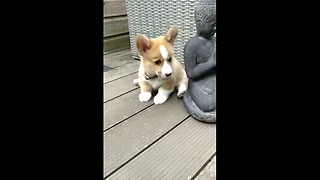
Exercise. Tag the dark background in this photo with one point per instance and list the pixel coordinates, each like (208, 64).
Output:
(52, 92)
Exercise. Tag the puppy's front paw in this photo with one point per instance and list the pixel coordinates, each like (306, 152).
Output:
(180, 94)
(181, 90)
(144, 96)
(136, 81)
(160, 98)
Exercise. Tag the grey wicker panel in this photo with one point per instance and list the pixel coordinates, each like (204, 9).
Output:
(154, 18)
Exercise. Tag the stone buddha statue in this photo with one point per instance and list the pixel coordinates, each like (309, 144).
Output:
(200, 64)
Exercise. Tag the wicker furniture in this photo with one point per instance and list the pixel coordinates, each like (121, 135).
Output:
(153, 18)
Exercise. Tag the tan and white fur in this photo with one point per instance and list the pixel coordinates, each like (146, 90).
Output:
(159, 69)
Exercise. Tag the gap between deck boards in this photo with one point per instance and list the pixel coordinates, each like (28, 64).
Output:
(119, 87)
(120, 94)
(137, 132)
(125, 105)
(120, 72)
(120, 77)
(116, 54)
(122, 107)
(123, 65)
(201, 170)
(148, 146)
(174, 162)
(112, 126)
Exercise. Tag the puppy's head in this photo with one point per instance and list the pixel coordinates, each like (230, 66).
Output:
(157, 54)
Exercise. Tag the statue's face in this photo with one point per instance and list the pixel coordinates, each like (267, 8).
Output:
(206, 29)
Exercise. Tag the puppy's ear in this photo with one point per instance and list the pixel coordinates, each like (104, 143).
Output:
(143, 43)
(171, 35)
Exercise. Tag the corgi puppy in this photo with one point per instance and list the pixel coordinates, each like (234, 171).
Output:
(159, 70)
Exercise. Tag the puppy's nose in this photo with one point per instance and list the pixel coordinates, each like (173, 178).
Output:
(168, 74)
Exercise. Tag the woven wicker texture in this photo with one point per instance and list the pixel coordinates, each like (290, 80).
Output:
(153, 18)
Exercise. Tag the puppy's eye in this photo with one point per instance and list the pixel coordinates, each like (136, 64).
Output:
(169, 59)
(158, 62)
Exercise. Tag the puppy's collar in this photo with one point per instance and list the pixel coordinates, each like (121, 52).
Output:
(148, 77)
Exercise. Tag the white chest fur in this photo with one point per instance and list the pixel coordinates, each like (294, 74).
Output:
(156, 83)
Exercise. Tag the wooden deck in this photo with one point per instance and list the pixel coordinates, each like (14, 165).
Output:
(148, 141)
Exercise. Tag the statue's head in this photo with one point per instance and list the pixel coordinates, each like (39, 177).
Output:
(205, 17)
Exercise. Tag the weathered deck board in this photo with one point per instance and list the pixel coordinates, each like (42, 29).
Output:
(116, 54)
(209, 172)
(123, 65)
(122, 71)
(123, 107)
(148, 141)
(125, 140)
(178, 155)
(116, 43)
(114, 8)
(118, 87)
(115, 25)
(119, 61)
